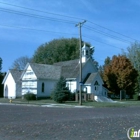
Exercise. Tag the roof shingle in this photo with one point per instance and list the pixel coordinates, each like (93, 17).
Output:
(90, 78)
(16, 74)
(44, 71)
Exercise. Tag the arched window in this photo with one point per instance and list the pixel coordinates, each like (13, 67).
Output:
(43, 87)
(6, 92)
(96, 85)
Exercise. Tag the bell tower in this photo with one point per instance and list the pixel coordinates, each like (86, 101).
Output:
(85, 53)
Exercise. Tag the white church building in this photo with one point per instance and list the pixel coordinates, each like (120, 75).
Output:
(40, 79)
(12, 84)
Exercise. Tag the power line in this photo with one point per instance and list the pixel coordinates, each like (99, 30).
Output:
(106, 34)
(59, 20)
(112, 30)
(32, 29)
(68, 16)
(36, 16)
(102, 42)
(41, 30)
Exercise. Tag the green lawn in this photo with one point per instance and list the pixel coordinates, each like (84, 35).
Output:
(23, 101)
(123, 103)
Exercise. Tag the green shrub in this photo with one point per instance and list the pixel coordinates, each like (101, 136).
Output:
(61, 96)
(30, 96)
(72, 97)
(60, 93)
(135, 97)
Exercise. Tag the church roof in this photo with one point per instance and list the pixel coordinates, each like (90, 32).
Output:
(69, 69)
(16, 74)
(44, 71)
(90, 78)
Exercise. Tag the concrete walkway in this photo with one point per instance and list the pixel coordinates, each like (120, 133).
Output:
(49, 105)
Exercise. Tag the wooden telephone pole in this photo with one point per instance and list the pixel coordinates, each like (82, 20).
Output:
(80, 58)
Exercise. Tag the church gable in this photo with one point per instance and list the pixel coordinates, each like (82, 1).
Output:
(88, 67)
(29, 74)
(11, 82)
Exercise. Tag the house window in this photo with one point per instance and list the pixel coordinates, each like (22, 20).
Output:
(43, 87)
(86, 52)
(83, 53)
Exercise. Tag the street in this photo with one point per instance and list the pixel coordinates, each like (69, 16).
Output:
(43, 123)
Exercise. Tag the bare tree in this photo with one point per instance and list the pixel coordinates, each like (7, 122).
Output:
(20, 63)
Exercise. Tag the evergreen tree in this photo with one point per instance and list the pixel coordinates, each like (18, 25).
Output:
(60, 93)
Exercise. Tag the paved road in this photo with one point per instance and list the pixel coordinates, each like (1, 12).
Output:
(43, 123)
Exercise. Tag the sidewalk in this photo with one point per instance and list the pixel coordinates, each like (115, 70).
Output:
(66, 106)
(49, 105)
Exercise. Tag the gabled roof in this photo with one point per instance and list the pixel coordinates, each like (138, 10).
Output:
(16, 74)
(90, 78)
(70, 69)
(67, 69)
(44, 71)
(67, 63)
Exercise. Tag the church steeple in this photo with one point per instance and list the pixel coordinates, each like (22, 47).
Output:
(85, 53)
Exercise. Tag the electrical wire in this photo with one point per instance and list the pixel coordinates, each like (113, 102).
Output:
(33, 29)
(67, 17)
(111, 30)
(106, 34)
(56, 14)
(41, 30)
(62, 20)
(102, 42)
(59, 20)
(36, 16)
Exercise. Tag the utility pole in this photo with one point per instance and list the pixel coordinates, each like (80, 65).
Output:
(80, 59)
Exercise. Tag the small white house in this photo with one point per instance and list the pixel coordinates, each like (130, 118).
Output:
(12, 84)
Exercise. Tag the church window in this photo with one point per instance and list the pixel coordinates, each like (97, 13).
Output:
(96, 84)
(83, 53)
(86, 52)
(43, 87)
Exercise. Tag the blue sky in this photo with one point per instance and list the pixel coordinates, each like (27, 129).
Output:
(112, 25)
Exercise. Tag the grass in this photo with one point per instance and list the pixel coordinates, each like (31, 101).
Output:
(123, 103)
(23, 101)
